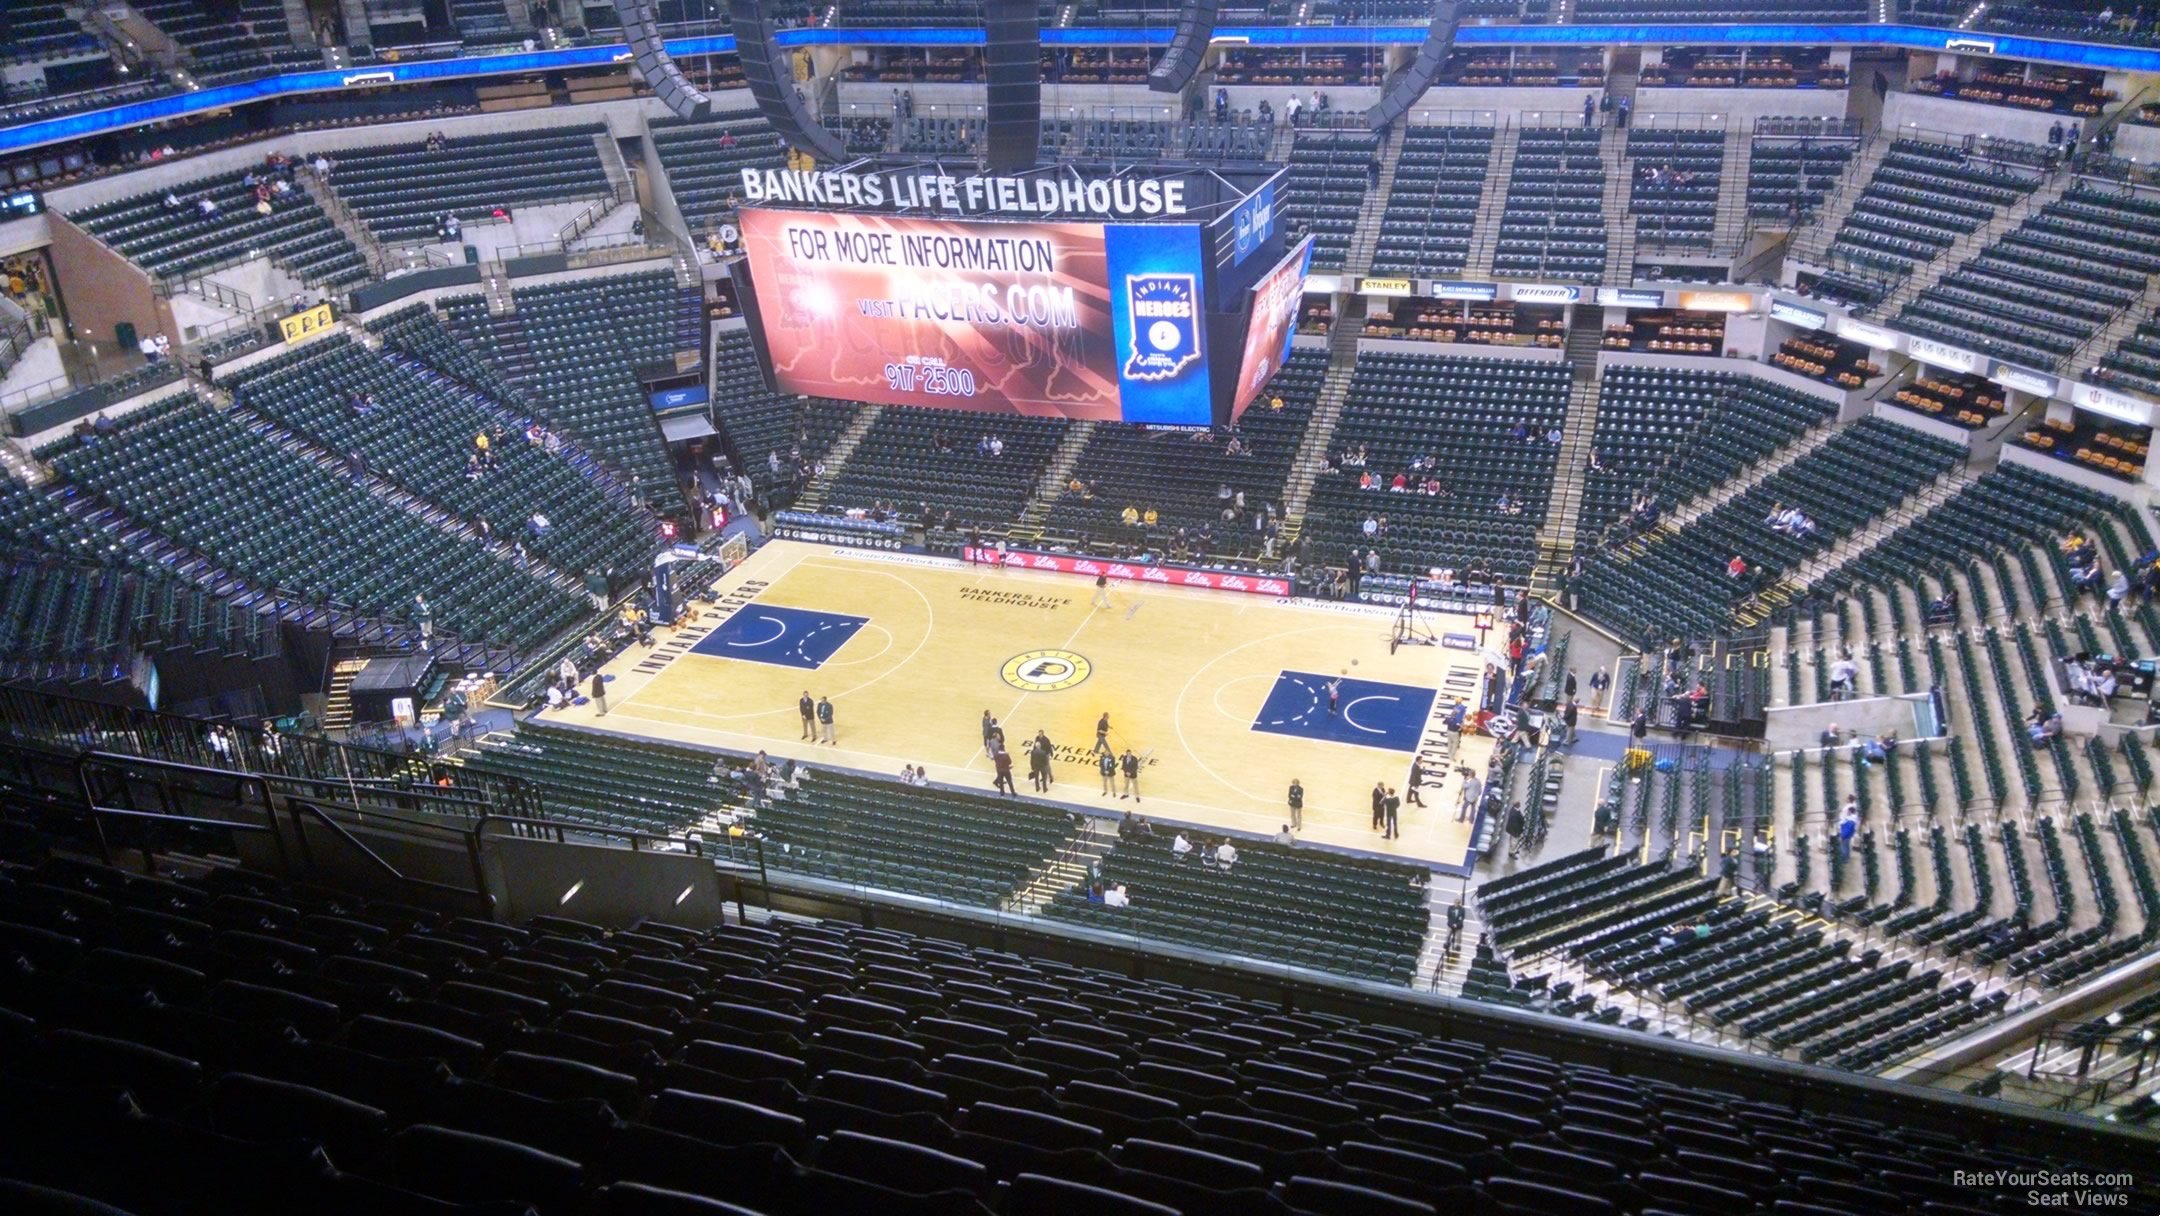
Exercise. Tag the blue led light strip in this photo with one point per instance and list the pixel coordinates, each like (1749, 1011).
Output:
(24, 136)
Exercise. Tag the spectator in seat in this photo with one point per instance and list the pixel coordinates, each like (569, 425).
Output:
(1844, 676)
(1848, 825)
(1225, 855)
(1831, 737)
(1180, 847)
(1736, 568)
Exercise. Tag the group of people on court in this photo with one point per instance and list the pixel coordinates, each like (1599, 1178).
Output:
(1040, 751)
(817, 718)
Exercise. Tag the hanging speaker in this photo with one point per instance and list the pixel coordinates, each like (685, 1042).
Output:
(1411, 83)
(1012, 70)
(641, 24)
(1181, 62)
(772, 82)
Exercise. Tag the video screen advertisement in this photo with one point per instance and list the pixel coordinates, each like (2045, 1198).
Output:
(1104, 322)
(1276, 299)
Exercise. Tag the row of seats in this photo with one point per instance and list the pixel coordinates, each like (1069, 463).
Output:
(574, 348)
(1553, 226)
(1669, 211)
(207, 479)
(63, 623)
(1465, 414)
(401, 191)
(1678, 433)
(1324, 188)
(1922, 197)
(968, 848)
(1788, 177)
(173, 242)
(704, 163)
(1676, 580)
(1311, 908)
(2038, 293)
(280, 1045)
(1181, 480)
(764, 428)
(420, 432)
(1433, 202)
(899, 461)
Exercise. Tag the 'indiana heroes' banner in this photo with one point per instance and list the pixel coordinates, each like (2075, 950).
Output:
(1082, 321)
(1067, 195)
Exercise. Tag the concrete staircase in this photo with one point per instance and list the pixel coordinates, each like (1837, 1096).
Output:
(1054, 480)
(1751, 476)
(1619, 175)
(1811, 244)
(1327, 413)
(1556, 538)
(337, 714)
(611, 163)
(1730, 232)
(1439, 969)
(1365, 238)
(1064, 871)
(495, 286)
(836, 457)
(300, 25)
(2111, 335)
(1973, 244)
(19, 464)
(1878, 530)
(1492, 204)
(342, 216)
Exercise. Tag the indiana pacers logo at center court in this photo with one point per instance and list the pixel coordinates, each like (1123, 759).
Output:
(1046, 670)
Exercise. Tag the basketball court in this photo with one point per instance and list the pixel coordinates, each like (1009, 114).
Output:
(1223, 694)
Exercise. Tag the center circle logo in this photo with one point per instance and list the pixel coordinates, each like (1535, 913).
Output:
(1045, 670)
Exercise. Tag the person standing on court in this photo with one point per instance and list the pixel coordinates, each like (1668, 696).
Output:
(989, 731)
(824, 717)
(1297, 805)
(1599, 682)
(1454, 925)
(599, 692)
(1568, 714)
(808, 709)
(1102, 734)
(1131, 765)
(1334, 696)
(1107, 764)
(1004, 783)
(1102, 591)
(1379, 805)
(1417, 778)
(1039, 753)
(1391, 805)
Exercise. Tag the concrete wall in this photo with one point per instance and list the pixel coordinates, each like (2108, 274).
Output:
(2141, 144)
(1740, 107)
(2071, 471)
(1471, 350)
(102, 289)
(624, 118)
(1931, 113)
(21, 236)
(1933, 427)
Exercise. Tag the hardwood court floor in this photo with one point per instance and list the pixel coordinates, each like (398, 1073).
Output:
(1221, 692)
